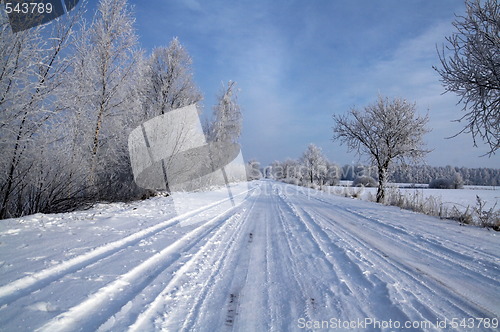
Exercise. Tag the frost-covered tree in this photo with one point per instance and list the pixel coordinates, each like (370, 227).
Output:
(111, 41)
(470, 67)
(104, 73)
(292, 171)
(457, 180)
(315, 165)
(387, 131)
(168, 80)
(461, 176)
(277, 170)
(31, 70)
(19, 55)
(226, 126)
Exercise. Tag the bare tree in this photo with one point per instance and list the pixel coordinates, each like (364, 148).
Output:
(387, 131)
(168, 80)
(227, 123)
(471, 69)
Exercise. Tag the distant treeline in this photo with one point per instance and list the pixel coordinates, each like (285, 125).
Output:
(319, 171)
(314, 169)
(425, 174)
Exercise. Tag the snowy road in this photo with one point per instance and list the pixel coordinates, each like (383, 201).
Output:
(284, 259)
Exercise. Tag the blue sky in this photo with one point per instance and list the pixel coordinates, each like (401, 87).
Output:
(297, 62)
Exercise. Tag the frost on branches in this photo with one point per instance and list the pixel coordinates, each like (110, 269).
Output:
(470, 67)
(226, 126)
(387, 131)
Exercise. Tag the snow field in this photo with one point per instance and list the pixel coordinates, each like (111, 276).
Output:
(461, 198)
(283, 257)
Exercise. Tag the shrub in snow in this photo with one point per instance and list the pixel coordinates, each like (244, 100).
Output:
(441, 184)
(364, 181)
(332, 181)
(292, 181)
(310, 185)
(433, 206)
(455, 182)
(487, 217)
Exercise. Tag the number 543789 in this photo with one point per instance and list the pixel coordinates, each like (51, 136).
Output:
(28, 8)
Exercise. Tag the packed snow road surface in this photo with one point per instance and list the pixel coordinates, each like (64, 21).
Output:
(284, 259)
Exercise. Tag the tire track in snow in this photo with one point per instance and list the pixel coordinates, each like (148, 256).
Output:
(478, 272)
(457, 305)
(26, 285)
(414, 289)
(440, 249)
(235, 290)
(290, 265)
(275, 306)
(320, 288)
(108, 300)
(209, 287)
(227, 235)
(374, 271)
(272, 308)
(471, 309)
(487, 258)
(246, 269)
(244, 301)
(350, 279)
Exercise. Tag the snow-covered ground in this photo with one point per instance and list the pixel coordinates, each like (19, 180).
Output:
(286, 258)
(461, 198)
